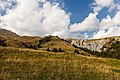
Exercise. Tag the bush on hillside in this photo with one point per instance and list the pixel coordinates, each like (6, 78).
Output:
(76, 51)
(54, 50)
(60, 50)
(45, 39)
(3, 42)
(48, 49)
(57, 50)
(30, 45)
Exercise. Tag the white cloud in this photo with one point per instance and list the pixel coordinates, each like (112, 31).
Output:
(108, 26)
(104, 3)
(106, 23)
(48, 19)
(41, 1)
(30, 19)
(41, 18)
(79, 36)
(118, 6)
(6, 4)
(112, 25)
(100, 4)
(90, 23)
(116, 18)
(97, 8)
(113, 31)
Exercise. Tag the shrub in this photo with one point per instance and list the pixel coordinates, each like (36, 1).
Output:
(60, 50)
(54, 50)
(3, 43)
(29, 45)
(76, 51)
(45, 39)
(48, 49)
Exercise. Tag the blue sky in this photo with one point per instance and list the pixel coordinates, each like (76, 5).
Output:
(81, 19)
(79, 9)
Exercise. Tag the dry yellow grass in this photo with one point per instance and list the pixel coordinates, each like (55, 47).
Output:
(27, 64)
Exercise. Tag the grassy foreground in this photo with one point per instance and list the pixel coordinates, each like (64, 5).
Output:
(26, 64)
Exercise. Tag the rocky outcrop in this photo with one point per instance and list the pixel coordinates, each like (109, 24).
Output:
(95, 44)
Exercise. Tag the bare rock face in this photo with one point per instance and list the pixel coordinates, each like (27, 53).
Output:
(96, 44)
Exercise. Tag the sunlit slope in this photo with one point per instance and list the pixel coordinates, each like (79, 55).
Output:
(27, 64)
(37, 43)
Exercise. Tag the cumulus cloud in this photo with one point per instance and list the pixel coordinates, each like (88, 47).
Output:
(109, 27)
(79, 36)
(113, 31)
(31, 19)
(104, 3)
(116, 19)
(47, 17)
(4, 4)
(106, 23)
(98, 5)
(105, 27)
(90, 23)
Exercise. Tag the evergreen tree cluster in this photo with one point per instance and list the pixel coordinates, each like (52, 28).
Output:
(30, 45)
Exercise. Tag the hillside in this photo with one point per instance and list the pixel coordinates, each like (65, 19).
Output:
(105, 47)
(4, 32)
(98, 47)
(37, 43)
(26, 64)
(96, 44)
(53, 58)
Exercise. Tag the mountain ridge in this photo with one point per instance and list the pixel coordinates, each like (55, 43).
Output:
(15, 40)
(34, 42)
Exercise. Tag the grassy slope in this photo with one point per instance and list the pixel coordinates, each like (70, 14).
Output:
(56, 42)
(26, 64)
(44, 43)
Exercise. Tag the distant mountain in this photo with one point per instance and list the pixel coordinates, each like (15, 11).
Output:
(4, 32)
